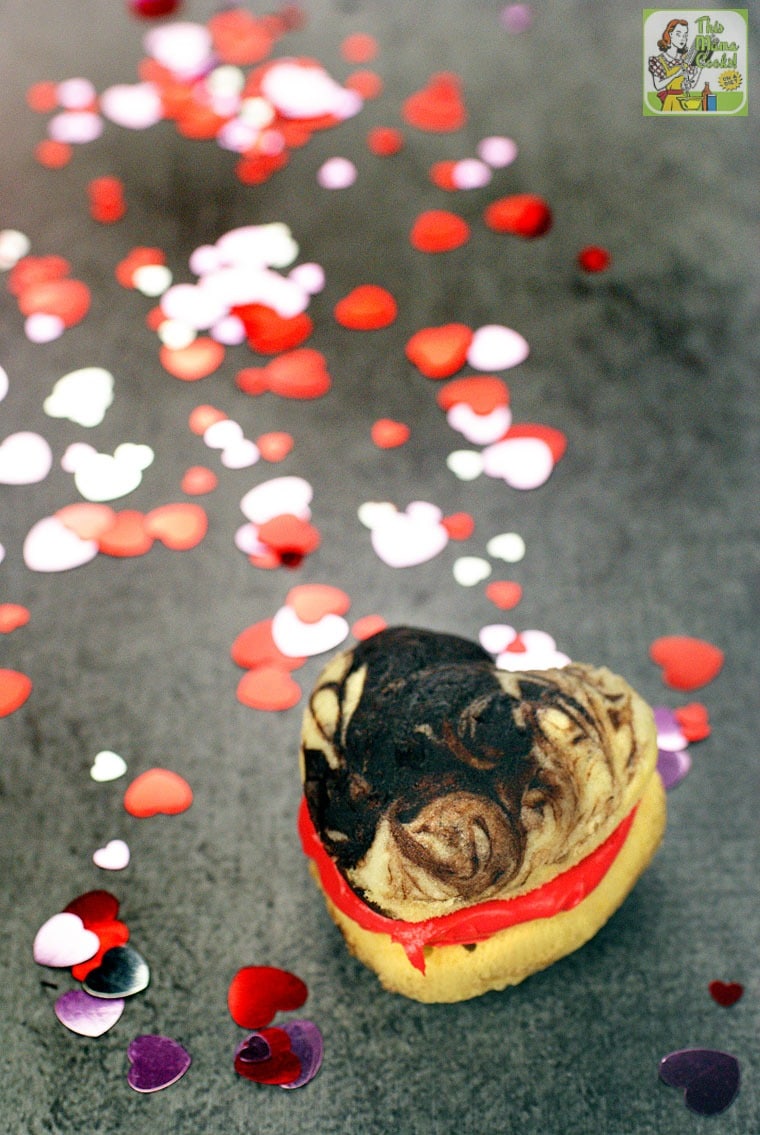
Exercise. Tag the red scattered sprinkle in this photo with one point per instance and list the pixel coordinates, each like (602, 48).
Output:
(442, 175)
(504, 593)
(257, 993)
(693, 721)
(275, 446)
(367, 308)
(384, 141)
(281, 1066)
(127, 536)
(594, 259)
(13, 616)
(255, 647)
(255, 169)
(36, 270)
(268, 688)
(368, 626)
(178, 526)
(312, 601)
(106, 196)
(523, 214)
(43, 96)
(387, 434)
(152, 9)
(687, 663)
(154, 318)
(53, 154)
(359, 48)
(438, 107)
(159, 791)
(367, 84)
(439, 352)
(200, 359)
(460, 525)
(66, 298)
(726, 993)
(482, 393)
(138, 258)
(437, 230)
(300, 374)
(239, 38)
(95, 908)
(270, 333)
(198, 480)
(15, 688)
(204, 416)
(87, 519)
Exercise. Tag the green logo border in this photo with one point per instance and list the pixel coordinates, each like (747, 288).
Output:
(648, 109)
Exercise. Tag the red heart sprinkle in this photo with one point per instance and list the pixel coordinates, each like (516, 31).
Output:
(275, 446)
(36, 270)
(438, 230)
(138, 258)
(158, 791)
(504, 593)
(439, 352)
(95, 908)
(523, 214)
(239, 38)
(359, 48)
(109, 934)
(289, 535)
(87, 519)
(178, 526)
(693, 721)
(726, 993)
(269, 688)
(687, 663)
(68, 299)
(199, 360)
(442, 175)
(460, 525)
(198, 480)
(594, 259)
(257, 993)
(42, 97)
(52, 154)
(268, 332)
(387, 434)
(13, 616)
(367, 308)
(15, 688)
(384, 141)
(297, 374)
(438, 107)
(204, 416)
(127, 536)
(367, 626)
(367, 84)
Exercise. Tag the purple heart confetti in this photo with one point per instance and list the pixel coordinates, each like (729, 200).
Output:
(673, 767)
(86, 1015)
(710, 1078)
(306, 1042)
(156, 1062)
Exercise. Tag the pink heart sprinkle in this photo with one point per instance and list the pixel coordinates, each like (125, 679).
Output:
(63, 941)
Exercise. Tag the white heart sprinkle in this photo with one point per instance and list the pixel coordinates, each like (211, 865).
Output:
(470, 570)
(25, 459)
(494, 347)
(496, 637)
(480, 429)
(298, 639)
(507, 546)
(63, 941)
(81, 396)
(466, 464)
(113, 857)
(523, 462)
(51, 546)
(107, 766)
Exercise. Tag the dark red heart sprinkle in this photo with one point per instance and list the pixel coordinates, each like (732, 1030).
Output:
(726, 993)
(280, 1066)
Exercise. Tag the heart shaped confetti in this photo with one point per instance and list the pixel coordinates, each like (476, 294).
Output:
(122, 973)
(25, 459)
(726, 993)
(267, 1057)
(308, 1046)
(114, 856)
(198, 479)
(198, 360)
(64, 941)
(127, 536)
(257, 993)
(687, 663)
(95, 908)
(466, 464)
(86, 1015)
(494, 347)
(593, 259)
(438, 107)
(12, 617)
(81, 396)
(268, 687)
(255, 646)
(710, 1078)
(438, 230)
(406, 539)
(178, 526)
(367, 308)
(15, 688)
(523, 462)
(439, 352)
(367, 626)
(107, 766)
(471, 570)
(504, 593)
(312, 601)
(156, 1062)
(693, 721)
(297, 639)
(673, 765)
(109, 934)
(87, 520)
(507, 546)
(524, 214)
(158, 791)
(300, 374)
(387, 434)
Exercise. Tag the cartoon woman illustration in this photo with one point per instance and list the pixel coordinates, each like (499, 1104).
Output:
(672, 71)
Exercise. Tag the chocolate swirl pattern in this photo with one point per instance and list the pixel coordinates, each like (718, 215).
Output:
(436, 781)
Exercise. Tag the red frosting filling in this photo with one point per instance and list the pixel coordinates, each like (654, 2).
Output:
(475, 923)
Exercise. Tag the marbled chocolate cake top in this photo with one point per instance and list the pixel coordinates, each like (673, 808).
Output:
(436, 781)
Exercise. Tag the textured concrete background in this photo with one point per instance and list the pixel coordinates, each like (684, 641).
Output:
(647, 527)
